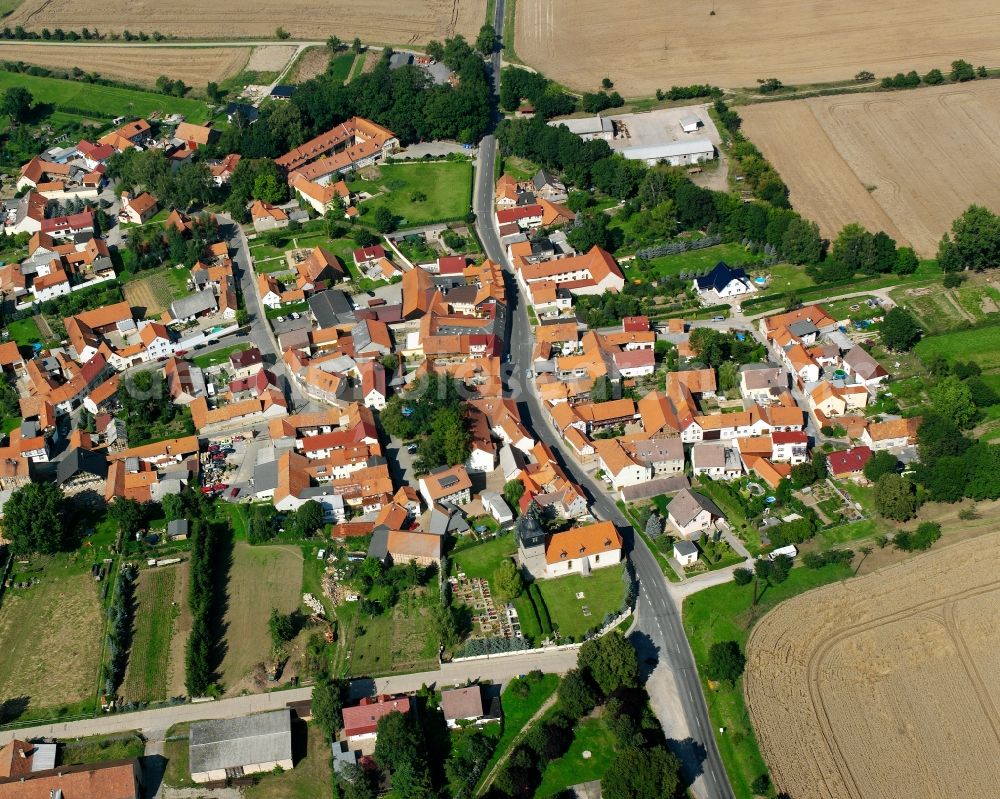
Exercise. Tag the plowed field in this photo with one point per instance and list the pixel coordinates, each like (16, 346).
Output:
(196, 66)
(884, 687)
(644, 45)
(904, 162)
(388, 21)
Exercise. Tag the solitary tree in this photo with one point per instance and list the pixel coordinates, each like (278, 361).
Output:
(507, 580)
(34, 520)
(611, 661)
(725, 662)
(16, 103)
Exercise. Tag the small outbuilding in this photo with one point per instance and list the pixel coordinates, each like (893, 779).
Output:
(690, 123)
(221, 749)
(685, 552)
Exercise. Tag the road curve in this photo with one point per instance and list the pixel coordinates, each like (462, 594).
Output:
(658, 616)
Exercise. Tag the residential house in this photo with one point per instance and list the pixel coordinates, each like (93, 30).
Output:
(762, 382)
(831, 400)
(373, 384)
(266, 216)
(468, 706)
(547, 186)
(401, 546)
(447, 485)
(189, 308)
(891, 434)
(137, 210)
(849, 463)
(864, 368)
(353, 144)
(245, 363)
(112, 779)
(580, 550)
(361, 720)
(664, 456)
(716, 460)
(723, 283)
(619, 467)
(790, 447)
(692, 513)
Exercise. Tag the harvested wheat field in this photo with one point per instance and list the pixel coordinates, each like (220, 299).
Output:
(644, 45)
(907, 162)
(883, 687)
(377, 21)
(196, 66)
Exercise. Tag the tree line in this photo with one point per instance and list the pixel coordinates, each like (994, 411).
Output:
(207, 568)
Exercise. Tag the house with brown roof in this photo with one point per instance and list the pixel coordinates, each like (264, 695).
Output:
(891, 434)
(352, 145)
(717, 460)
(468, 706)
(849, 463)
(402, 546)
(580, 550)
(447, 485)
(113, 779)
(618, 466)
(137, 210)
(266, 216)
(860, 365)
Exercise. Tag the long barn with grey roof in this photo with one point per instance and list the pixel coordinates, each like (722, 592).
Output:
(230, 748)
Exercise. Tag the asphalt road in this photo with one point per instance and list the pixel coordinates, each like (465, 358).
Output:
(658, 626)
(153, 723)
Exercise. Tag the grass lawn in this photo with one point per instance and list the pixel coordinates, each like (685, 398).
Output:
(261, 578)
(704, 260)
(123, 746)
(66, 598)
(286, 310)
(783, 277)
(519, 168)
(309, 779)
(517, 710)
(218, 356)
(845, 533)
(603, 592)
(981, 345)
(10, 424)
(102, 101)
(340, 67)
(821, 292)
(723, 613)
(482, 559)
(400, 640)
(149, 660)
(25, 331)
(260, 248)
(446, 185)
(175, 750)
(591, 735)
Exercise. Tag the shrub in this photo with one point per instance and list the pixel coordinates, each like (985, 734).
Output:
(921, 539)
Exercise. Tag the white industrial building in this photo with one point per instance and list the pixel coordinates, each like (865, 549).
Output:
(679, 153)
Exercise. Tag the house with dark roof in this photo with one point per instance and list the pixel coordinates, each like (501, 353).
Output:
(331, 308)
(692, 513)
(722, 283)
(82, 470)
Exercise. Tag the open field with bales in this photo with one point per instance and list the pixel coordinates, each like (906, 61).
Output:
(196, 66)
(379, 21)
(889, 161)
(644, 46)
(880, 687)
(61, 614)
(260, 578)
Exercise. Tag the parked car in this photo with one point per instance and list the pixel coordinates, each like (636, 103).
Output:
(295, 314)
(412, 448)
(280, 319)
(181, 352)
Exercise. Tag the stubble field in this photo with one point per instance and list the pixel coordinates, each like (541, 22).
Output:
(643, 45)
(904, 162)
(880, 688)
(377, 21)
(196, 66)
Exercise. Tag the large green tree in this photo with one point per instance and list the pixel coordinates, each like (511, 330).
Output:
(35, 520)
(327, 704)
(974, 241)
(16, 103)
(899, 329)
(896, 497)
(952, 399)
(642, 773)
(725, 662)
(611, 661)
